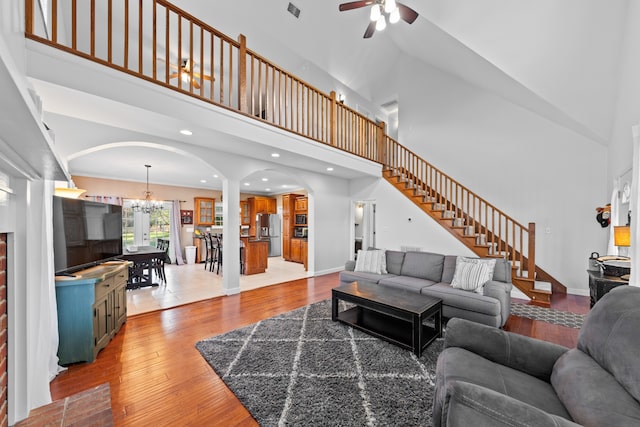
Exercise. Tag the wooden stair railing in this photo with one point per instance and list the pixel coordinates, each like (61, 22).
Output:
(155, 41)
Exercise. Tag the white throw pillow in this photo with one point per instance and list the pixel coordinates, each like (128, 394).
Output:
(472, 273)
(371, 261)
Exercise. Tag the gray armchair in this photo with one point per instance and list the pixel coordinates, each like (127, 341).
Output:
(489, 377)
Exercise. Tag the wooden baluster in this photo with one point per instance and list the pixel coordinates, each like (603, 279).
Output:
(125, 50)
(221, 72)
(191, 62)
(531, 252)
(167, 58)
(93, 28)
(140, 36)
(333, 121)
(154, 54)
(212, 42)
(230, 91)
(54, 21)
(74, 24)
(201, 68)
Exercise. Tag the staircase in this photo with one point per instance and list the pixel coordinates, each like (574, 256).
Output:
(477, 224)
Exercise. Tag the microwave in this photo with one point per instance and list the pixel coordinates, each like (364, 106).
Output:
(301, 219)
(300, 232)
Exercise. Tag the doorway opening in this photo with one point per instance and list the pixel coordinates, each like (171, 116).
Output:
(364, 226)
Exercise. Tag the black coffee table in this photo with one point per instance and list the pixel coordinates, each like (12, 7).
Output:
(394, 315)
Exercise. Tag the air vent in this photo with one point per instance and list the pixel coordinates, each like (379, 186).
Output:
(293, 10)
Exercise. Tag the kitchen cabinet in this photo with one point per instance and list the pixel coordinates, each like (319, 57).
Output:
(255, 255)
(204, 210)
(244, 212)
(301, 205)
(259, 205)
(92, 307)
(299, 251)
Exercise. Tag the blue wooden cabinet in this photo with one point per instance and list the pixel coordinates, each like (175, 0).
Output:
(92, 307)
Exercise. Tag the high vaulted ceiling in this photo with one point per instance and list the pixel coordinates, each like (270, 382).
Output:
(559, 59)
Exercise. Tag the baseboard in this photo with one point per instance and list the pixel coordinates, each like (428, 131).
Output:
(518, 294)
(578, 291)
(328, 271)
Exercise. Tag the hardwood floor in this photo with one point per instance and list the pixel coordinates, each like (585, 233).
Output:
(157, 377)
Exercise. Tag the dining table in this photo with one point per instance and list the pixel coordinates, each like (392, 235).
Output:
(141, 269)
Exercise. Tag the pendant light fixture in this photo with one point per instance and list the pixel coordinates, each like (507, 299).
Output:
(147, 205)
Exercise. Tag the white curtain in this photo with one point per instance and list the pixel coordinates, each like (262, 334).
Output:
(634, 207)
(42, 339)
(612, 249)
(174, 232)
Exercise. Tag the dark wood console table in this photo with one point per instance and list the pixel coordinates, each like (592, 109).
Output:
(599, 285)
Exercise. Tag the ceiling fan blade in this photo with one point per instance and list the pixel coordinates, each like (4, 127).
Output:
(173, 75)
(407, 14)
(354, 5)
(371, 28)
(195, 84)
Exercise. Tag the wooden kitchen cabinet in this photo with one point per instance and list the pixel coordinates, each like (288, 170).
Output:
(204, 210)
(301, 204)
(244, 212)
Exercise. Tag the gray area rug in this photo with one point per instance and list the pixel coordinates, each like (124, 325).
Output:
(549, 315)
(301, 368)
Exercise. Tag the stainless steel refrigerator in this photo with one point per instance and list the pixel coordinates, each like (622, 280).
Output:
(269, 226)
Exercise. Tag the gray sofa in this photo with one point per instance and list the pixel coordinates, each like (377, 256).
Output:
(431, 274)
(489, 377)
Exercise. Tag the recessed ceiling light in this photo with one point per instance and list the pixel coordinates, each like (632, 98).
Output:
(265, 179)
(215, 175)
(267, 189)
(329, 169)
(285, 186)
(186, 132)
(275, 155)
(247, 183)
(204, 181)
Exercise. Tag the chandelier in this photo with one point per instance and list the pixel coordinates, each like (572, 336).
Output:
(147, 205)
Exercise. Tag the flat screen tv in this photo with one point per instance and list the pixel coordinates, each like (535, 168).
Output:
(85, 234)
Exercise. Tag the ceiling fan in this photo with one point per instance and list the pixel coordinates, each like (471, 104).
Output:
(184, 72)
(381, 10)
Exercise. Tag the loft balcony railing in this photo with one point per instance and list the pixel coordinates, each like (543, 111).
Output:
(156, 41)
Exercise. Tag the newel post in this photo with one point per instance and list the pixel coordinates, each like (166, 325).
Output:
(531, 253)
(333, 119)
(242, 74)
(381, 154)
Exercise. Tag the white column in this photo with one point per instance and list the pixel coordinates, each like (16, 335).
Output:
(231, 236)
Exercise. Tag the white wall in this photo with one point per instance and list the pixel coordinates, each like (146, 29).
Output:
(393, 228)
(628, 102)
(534, 170)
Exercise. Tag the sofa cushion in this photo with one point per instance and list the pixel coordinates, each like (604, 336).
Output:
(394, 262)
(406, 282)
(424, 265)
(502, 271)
(472, 273)
(358, 276)
(606, 332)
(592, 396)
(448, 268)
(471, 301)
(371, 261)
(458, 364)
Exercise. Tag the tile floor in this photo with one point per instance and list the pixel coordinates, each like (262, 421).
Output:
(191, 282)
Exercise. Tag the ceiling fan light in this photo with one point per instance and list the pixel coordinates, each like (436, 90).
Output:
(381, 24)
(394, 16)
(390, 6)
(375, 12)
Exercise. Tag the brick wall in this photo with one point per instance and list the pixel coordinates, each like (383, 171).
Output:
(4, 380)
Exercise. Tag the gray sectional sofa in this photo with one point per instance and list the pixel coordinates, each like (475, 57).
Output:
(431, 274)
